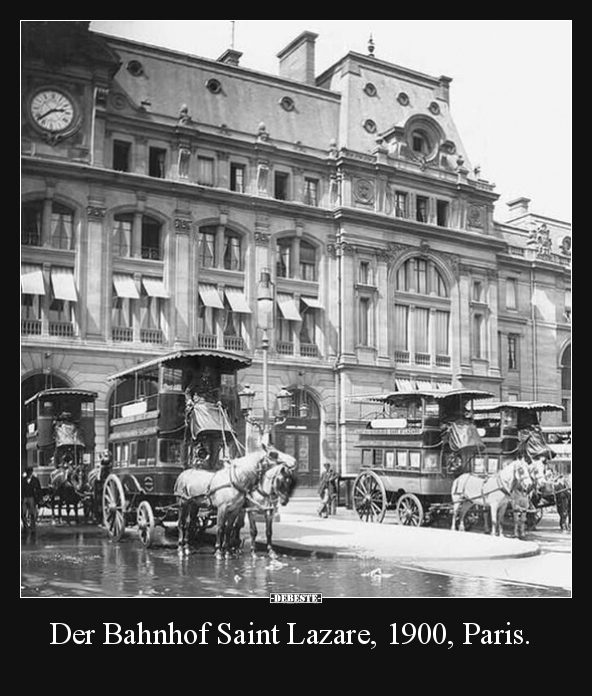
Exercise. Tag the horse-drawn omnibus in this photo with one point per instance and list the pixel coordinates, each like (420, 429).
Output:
(412, 452)
(168, 414)
(60, 428)
(559, 441)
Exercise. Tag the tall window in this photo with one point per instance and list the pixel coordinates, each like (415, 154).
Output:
(421, 276)
(207, 247)
(364, 321)
(307, 326)
(364, 273)
(477, 336)
(401, 204)
(281, 182)
(122, 234)
(422, 330)
(150, 238)
(283, 254)
(307, 261)
(31, 223)
(205, 171)
(157, 162)
(477, 291)
(566, 369)
(442, 208)
(311, 191)
(60, 228)
(512, 352)
(121, 155)
(442, 333)
(421, 211)
(511, 294)
(232, 252)
(401, 328)
(237, 177)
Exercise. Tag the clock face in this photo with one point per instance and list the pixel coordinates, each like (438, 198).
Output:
(52, 110)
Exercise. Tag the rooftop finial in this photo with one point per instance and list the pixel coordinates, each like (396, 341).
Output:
(232, 21)
(371, 47)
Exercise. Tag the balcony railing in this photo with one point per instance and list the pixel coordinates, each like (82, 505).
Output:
(64, 329)
(31, 327)
(151, 253)
(234, 343)
(31, 238)
(285, 348)
(309, 350)
(402, 356)
(122, 333)
(422, 358)
(207, 341)
(442, 361)
(151, 336)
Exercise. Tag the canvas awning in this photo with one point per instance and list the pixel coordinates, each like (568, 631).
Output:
(423, 384)
(312, 302)
(237, 301)
(32, 280)
(62, 282)
(154, 287)
(405, 385)
(288, 308)
(125, 286)
(210, 296)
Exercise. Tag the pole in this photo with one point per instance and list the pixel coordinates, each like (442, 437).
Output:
(265, 348)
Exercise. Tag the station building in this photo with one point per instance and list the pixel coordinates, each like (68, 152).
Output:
(160, 188)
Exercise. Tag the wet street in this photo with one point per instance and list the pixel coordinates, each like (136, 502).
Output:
(83, 562)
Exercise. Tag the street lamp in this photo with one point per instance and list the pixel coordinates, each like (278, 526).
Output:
(246, 396)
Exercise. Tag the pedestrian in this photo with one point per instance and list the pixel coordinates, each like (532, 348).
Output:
(30, 499)
(327, 492)
(520, 507)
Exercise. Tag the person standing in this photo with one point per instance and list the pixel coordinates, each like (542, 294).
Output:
(30, 499)
(327, 492)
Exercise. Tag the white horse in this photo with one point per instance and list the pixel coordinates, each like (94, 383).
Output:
(493, 492)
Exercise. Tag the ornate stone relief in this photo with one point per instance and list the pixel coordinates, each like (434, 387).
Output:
(95, 212)
(364, 191)
(475, 216)
(182, 224)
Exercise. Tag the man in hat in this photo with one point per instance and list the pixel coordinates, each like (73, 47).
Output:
(30, 498)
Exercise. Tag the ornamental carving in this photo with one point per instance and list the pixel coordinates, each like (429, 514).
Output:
(262, 238)
(96, 212)
(364, 191)
(566, 246)
(540, 238)
(182, 224)
(475, 216)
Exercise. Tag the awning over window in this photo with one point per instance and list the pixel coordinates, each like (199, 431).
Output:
(405, 385)
(237, 300)
(154, 287)
(312, 302)
(443, 386)
(62, 282)
(125, 286)
(288, 308)
(210, 296)
(423, 385)
(32, 280)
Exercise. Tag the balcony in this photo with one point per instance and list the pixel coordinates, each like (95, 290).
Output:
(63, 329)
(402, 356)
(309, 350)
(423, 359)
(122, 334)
(234, 343)
(284, 348)
(443, 361)
(151, 336)
(151, 253)
(207, 341)
(31, 327)
(31, 238)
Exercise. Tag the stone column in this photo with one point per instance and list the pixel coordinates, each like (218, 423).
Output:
(182, 291)
(92, 255)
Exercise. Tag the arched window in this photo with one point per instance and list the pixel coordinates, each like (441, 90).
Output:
(421, 276)
(220, 247)
(296, 258)
(59, 227)
(566, 369)
(147, 236)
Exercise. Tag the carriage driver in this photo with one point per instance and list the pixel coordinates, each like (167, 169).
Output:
(106, 464)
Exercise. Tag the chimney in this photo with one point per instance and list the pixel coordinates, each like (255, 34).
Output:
(297, 60)
(518, 207)
(230, 56)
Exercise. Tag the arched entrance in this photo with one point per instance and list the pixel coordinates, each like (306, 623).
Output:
(300, 437)
(29, 387)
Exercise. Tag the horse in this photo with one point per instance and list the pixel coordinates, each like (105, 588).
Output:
(556, 491)
(224, 490)
(276, 488)
(65, 484)
(493, 492)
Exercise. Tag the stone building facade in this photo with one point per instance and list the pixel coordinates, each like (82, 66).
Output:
(157, 187)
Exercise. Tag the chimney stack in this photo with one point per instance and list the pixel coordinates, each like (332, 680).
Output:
(230, 57)
(297, 59)
(518, 207)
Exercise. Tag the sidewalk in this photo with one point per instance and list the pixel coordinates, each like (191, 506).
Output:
(300, 530)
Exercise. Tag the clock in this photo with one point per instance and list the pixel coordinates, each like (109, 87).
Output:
(53, 111)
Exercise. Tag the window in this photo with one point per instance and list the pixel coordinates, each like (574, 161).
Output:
(512, 352)
(31, 223)
(237, 178)
(511, 294)
(442, 333)
(205, 320)
(307, 326)
(205, 171)
(400, 204)
(122, 235)
(307, 261)
(281, 181)
(442, 213)
(566, 415)
(401, 328)
(364, 276)
(121, 313)
(419, 143)
(61, 225)
(150, 319)
(364, 321)
(566, 370)
(157, 162)
(311, 192)
(232, 252)
(567, 301)
(421, 212)
(121, 155)
(477, 337)
(283, 252)
(421, 276)
(477, 291)
(207, 247)
(422, 330)
(150, 239)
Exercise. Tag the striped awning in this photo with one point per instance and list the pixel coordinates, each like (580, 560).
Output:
(32, 280)
(125, 286)
(154, 287)
(423, 384)
(405, 385)
(62, 283)
(312, 302)
(237, 300)
(288, 308)
(210, 296)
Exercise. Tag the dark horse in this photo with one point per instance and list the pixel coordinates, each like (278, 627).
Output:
(556, 491)
(276, 488)
(65, 490)
(224, 490)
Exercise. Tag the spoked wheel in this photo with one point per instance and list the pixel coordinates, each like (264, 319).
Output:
(410, 510)
(369, 497)
(114, 507)
(146, 526)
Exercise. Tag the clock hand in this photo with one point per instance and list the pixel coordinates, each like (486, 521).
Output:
(51, 111)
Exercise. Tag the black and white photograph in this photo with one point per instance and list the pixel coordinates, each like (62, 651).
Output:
(296, 317)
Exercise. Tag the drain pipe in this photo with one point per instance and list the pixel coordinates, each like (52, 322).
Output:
(535, 381)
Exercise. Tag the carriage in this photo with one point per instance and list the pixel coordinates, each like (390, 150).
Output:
(168, 414)
(60, 428)
(411, 454)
